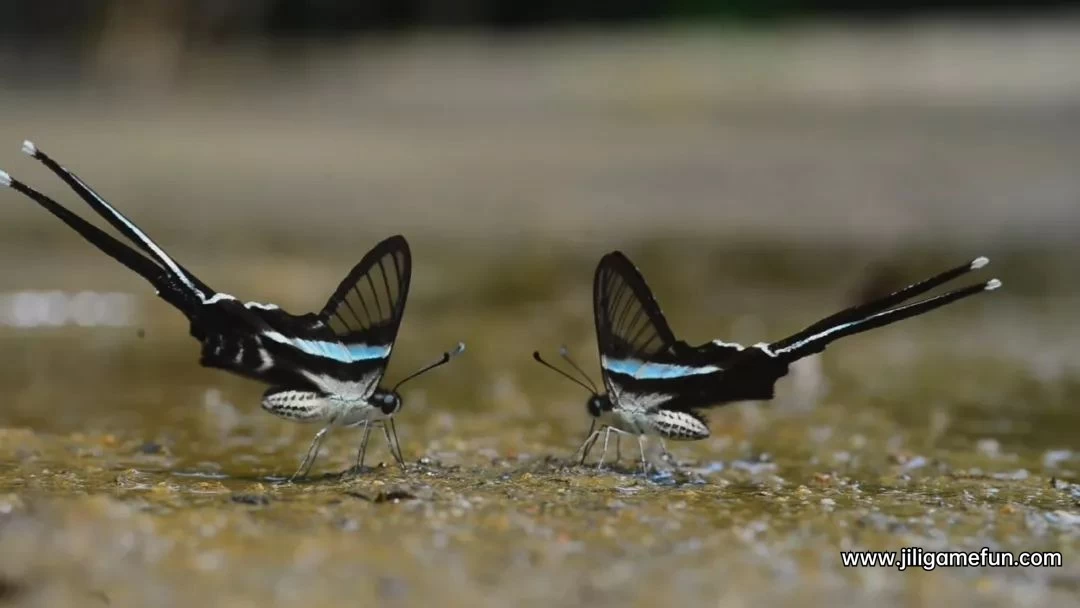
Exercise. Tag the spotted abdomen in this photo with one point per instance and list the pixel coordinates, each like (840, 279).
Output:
(680, 425)
(297, 405)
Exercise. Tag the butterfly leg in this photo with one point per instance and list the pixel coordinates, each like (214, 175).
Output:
(313, 451)
(390, 444)
(644, 462)
(586, 447)
(363, 446)
(589, 441)
(397, 442)
(607, 437)
(665, 454)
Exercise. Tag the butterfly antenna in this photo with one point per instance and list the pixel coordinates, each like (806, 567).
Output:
(565, 354)
(540, 360)
(443, 360)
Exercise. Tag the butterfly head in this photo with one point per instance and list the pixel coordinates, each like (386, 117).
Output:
(387, 401)
(390, 401)
(598, 402)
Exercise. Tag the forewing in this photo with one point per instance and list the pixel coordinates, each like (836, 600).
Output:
(630, 328)
(365, 311)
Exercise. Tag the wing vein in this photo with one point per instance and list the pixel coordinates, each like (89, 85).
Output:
(375, 296)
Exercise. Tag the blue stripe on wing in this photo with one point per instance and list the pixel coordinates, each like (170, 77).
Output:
(642, 370)
(344, 353)
(364, 352)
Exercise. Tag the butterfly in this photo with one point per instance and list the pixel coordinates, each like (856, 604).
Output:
(324, 367)
(656, 384)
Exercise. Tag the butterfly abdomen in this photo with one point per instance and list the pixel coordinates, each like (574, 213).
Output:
(680, 425)
(297, 405)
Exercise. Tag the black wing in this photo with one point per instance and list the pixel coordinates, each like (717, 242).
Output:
(629, 322)
(366, 309)
(639, 354)
(342, 350)
(180, 275)
(880, 312)
(345, 348)
(641, 358)
(751, 373)
(172, 281)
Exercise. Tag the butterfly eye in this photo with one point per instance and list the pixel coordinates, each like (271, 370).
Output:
(594, 406)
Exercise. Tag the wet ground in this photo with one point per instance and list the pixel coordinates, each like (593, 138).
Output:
(131, 477)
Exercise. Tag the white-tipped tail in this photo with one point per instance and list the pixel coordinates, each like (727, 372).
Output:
(979, 262)
(992, 284)
(5, 179)
(29, 148)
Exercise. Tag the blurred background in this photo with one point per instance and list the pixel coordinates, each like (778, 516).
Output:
(764, 162)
